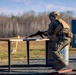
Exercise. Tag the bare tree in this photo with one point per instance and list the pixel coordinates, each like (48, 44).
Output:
(28, 23)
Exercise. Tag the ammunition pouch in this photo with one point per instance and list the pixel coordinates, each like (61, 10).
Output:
(70, 35)
(66, 32)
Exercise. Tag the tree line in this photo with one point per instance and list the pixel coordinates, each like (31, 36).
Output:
(28, 23)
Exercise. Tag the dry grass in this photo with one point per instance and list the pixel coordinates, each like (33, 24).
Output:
(37, 50)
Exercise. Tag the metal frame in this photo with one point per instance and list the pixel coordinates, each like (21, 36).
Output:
(27, 43)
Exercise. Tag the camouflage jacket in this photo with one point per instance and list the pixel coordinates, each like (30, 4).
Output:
(58, 27)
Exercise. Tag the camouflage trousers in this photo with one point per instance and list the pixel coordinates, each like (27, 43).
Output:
(56, 49)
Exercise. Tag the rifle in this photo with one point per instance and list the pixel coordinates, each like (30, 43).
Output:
(40, 33)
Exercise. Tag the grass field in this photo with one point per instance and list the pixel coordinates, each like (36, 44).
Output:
(37, 50)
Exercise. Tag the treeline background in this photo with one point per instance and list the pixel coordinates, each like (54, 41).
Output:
(28, 23)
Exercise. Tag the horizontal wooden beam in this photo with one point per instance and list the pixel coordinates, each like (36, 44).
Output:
(22, 39)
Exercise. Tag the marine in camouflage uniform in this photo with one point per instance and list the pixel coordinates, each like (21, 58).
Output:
(59, 32)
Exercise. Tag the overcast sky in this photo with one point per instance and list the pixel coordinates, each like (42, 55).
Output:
(19, 6)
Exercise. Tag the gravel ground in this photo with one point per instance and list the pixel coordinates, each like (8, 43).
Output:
(37, 70)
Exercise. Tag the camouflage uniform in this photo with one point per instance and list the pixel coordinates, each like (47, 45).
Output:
(59, 32)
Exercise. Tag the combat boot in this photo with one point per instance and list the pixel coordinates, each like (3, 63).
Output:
(60, 66)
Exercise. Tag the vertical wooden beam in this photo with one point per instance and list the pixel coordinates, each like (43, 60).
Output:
(9, 55)
(46, 51)
(27, 42)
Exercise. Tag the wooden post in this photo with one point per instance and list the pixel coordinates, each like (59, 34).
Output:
(15, 50)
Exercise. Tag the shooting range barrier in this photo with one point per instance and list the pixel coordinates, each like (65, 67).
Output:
(73, 28)
(49, 60)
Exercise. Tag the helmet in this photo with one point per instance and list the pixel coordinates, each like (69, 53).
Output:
(53, 15)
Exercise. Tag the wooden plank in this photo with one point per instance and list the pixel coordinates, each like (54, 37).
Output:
(42, 39)
(65, 71)
(16, 39)
(22, 39)
(4, 39)
(62, 72)
(27, 39)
